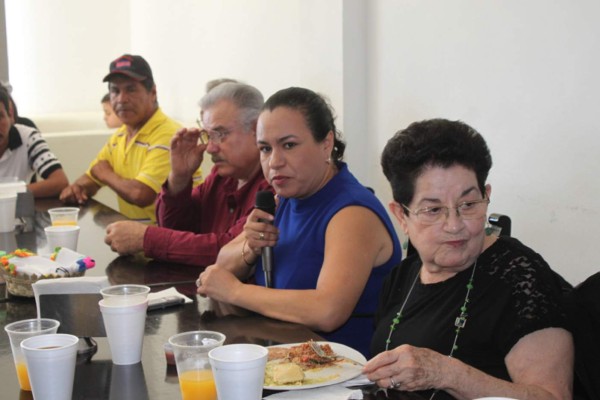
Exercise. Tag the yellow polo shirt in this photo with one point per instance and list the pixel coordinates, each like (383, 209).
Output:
(145, 158)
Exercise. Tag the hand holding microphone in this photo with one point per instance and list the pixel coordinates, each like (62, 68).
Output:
(265, 201)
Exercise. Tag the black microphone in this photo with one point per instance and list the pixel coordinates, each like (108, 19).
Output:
(266, 201)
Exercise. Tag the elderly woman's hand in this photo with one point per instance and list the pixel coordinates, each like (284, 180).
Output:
(259, 231)
(406, 368)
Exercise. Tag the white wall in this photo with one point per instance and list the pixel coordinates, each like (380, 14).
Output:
(3, 51)
(524, 73)
(269, 44)
(59, 51)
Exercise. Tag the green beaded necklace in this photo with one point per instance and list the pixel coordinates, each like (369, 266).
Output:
(460, 321)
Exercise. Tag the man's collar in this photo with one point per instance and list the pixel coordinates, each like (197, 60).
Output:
(132, 133)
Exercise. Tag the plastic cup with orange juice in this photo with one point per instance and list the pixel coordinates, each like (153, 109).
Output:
(190, 350)
(21, 330)
(62, 216)
(22, 376)
(198, 384)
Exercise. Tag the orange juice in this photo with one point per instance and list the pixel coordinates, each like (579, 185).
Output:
(198, 385)
(63, 223)
(23, 377)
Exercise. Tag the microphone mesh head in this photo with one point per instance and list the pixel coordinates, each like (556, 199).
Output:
(265, 201)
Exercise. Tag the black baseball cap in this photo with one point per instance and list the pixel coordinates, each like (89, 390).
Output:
(134, 67)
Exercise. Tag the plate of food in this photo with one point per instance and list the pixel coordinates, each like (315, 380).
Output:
(297, 366)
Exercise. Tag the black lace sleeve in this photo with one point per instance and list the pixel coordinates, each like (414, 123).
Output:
(537, 293)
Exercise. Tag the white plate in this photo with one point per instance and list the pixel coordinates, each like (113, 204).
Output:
(336, 373)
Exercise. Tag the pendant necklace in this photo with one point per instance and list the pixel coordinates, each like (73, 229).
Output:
(459, 323)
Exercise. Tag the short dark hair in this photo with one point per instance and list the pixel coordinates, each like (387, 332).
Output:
(433, 143)
(148, 84)
(5, 98)
(317, 112)
(105, 98)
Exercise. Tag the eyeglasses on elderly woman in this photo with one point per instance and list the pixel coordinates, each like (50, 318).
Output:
(437, 214)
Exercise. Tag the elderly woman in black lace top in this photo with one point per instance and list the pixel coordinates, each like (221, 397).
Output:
(470, 314)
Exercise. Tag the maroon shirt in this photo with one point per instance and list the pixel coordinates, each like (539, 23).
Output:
(196, 223)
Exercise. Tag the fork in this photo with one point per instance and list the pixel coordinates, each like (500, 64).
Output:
(321, 353)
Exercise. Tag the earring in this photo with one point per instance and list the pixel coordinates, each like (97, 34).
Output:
(328, 161)
(489, 229)
(405, 244)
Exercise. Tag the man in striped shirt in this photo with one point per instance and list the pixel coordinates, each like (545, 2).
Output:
(135, 161)
(24, 152)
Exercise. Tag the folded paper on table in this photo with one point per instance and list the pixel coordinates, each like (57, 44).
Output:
(333, 392)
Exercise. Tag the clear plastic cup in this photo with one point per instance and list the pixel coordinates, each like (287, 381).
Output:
(21, 330)
(191, 349)
(123, 295)
(64, 216)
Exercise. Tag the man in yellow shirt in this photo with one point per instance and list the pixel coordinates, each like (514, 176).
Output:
(135, 161)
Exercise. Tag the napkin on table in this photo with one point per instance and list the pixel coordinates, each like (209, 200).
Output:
(168, 293)
(333, 392)
(62, 263)
(360, 380)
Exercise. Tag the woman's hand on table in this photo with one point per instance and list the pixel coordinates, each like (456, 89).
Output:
(406, 368)
(535, 373)
(218, 283)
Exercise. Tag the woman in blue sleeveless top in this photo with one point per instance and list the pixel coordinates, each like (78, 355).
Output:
(332, 240)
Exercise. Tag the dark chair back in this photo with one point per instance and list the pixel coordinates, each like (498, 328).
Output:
(502, 221)
(585, 326)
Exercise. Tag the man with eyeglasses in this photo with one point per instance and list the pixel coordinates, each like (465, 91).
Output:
(134, 162)
(194, 223)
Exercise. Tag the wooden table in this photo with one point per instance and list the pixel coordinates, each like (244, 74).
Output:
(98, 378)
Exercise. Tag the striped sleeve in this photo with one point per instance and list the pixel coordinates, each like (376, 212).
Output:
(41, 159)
